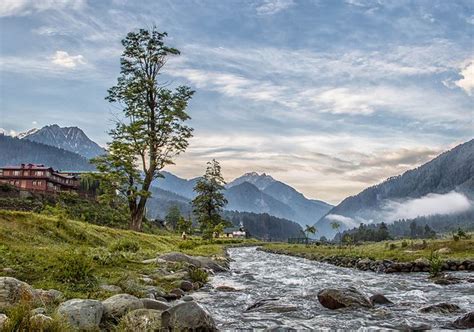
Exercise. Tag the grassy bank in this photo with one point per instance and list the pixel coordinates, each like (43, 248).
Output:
(76, 257)
(401, 251)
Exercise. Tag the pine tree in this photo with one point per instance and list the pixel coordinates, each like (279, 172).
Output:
(173, 216)
(210, 200)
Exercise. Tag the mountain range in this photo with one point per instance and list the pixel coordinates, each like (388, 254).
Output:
(445, 185)
(253, 192)
(68, 138)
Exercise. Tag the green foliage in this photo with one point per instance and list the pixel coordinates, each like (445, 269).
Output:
(198, 275)
(152, 131)
(404, 244)
(310, 230)
(456, 237)
(209, 200)
(184, 225)
(436, 264)
(392, 246)
(125, 245)
(75, 269)
(188, 245)
(19, 320)
(173, 217)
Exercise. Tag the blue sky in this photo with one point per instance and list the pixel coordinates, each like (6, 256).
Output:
(328, 96)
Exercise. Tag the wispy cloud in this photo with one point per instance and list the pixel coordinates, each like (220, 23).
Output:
(270, 7)
(28, 7)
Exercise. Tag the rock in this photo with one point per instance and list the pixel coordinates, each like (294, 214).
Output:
(171, 297)
(260, 303)
(161, 299)
(8, 271)
(188, 316)
(197, 285)
(198, 261)
(446, 279)
(464, 322)
(335, 298)
(37, 311)
(154, 292)
(226, 289)
(186, 286)
(444, 250)
(441, 308)
(118, 305)
(379, 299)
(178, 292)
(111, 288)
(154, 304)
(146, 280)
(40, 322)
(48, 296)
(409, 327)
(3, 321)
(142, 320)
(187, 298)
(82, 314)
(12, 291)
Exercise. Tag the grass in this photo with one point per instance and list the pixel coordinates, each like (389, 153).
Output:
(76, 257)
(401, 250)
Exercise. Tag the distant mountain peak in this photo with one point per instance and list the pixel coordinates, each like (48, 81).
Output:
(68, 138)
(261, 181)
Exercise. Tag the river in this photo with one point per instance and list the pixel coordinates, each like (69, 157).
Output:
(295, 282)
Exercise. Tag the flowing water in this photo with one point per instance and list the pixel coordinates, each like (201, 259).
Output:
(295, 282)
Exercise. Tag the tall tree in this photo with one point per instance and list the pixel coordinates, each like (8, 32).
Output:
(151, 130)
(173, 217)
(310, 230)
(210, 199)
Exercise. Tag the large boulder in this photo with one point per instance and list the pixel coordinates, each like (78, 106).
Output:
(464, 322)
(118, 305)
(82, 314)
(141, 320)
(335, 298)
(444, 308)
(380, 299)
(12, 291)
(154, 304)
(187, 316)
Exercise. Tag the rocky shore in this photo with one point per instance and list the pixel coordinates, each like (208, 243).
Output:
(380, 266)
(154, 309)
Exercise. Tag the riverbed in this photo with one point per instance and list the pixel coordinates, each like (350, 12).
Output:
(293, 284)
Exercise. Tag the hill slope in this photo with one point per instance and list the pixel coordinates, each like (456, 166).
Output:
(68, 138)
(426, 190)
(14, 151)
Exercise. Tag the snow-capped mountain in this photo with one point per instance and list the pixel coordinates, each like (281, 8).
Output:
(68, 138)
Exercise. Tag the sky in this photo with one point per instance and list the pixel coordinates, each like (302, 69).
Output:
(328, 96)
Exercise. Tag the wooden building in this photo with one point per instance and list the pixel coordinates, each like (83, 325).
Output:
(35, 177)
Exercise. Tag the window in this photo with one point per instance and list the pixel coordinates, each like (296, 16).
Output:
(16, 172)
(39, 173)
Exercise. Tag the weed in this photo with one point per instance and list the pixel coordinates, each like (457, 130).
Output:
(436, 264)
(198, 275)
(125, 245)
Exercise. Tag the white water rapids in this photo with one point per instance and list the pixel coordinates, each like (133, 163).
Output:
(296, 282)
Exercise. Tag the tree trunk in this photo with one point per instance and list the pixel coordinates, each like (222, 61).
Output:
(136, 218)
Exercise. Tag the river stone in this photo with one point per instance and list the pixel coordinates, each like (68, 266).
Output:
(186, 286)
(226, 289)
(280, 328)
(141, 320)
(187, 298)
(154, 304)
(118, 305)
(40, 322)
(379, 299)
(12, 291)
(441, 308)
(82, 314)
(111, 288)
(335, 298)
(3, 321)
(465, 322)
(178, 292)
(188, 316)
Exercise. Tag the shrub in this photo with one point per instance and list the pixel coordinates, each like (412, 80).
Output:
(125, 245)
(455, 237)
(436, 264)
(198, 275)
(76, 270)
(19, 320)
(392, 246)
(404, 244)
(188, 245)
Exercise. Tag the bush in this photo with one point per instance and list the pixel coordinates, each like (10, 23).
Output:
(19, 320)
(455, 237)
(198, 275)
(436, 264)
(75, 269)
(404, 244)
(125, 245)
(392, 246)
(188, 245)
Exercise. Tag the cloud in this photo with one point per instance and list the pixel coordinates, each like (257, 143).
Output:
(431, 204)
(63, 59)
(27, 7)
(348, 222)
(270, 7)
(467, 82)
